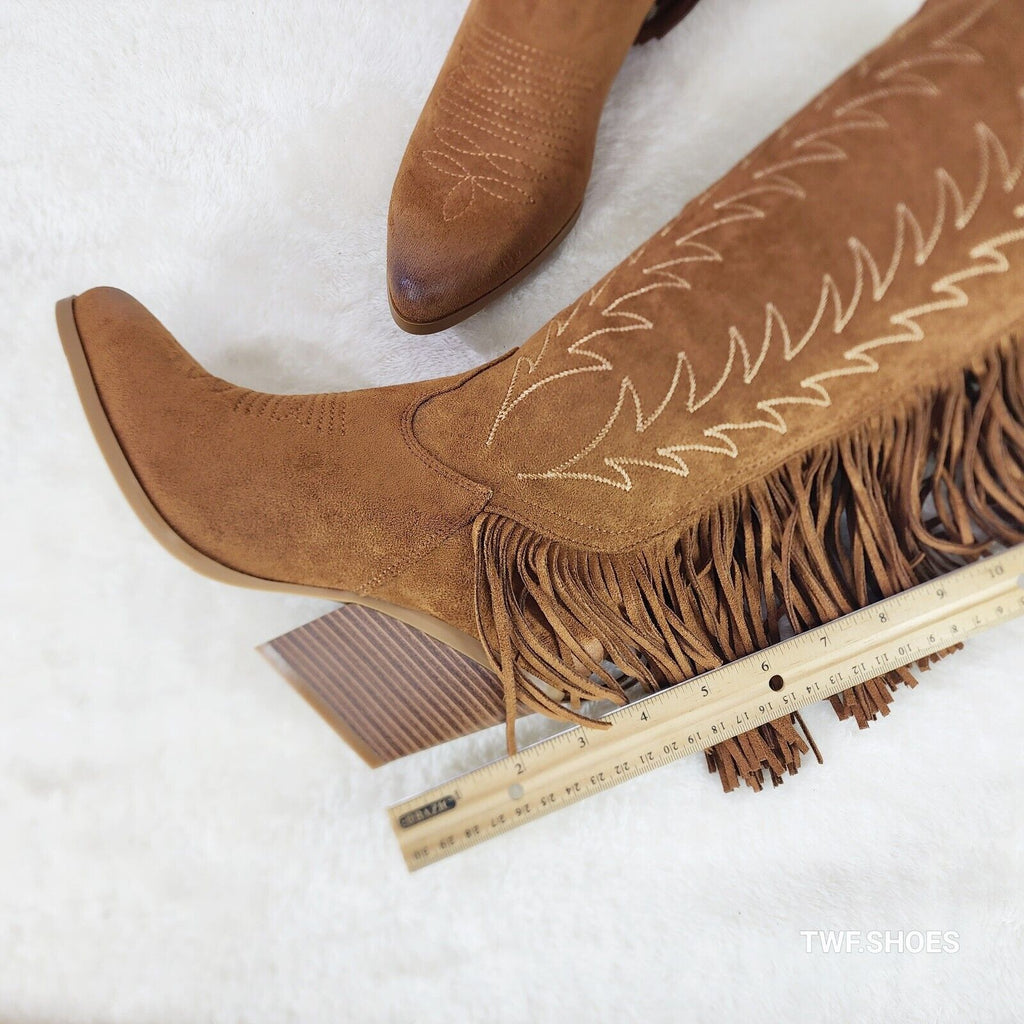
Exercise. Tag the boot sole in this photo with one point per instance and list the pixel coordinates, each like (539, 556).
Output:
(397, 681)
(463, 313)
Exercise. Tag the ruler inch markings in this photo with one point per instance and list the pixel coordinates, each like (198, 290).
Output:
(688, 718)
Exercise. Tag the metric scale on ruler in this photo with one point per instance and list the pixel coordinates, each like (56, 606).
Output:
(692, 716)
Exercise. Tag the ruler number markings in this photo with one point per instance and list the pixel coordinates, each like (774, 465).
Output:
(717, 705)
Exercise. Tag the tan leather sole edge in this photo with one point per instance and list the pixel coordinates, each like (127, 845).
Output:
(173, 542)
(433, 326)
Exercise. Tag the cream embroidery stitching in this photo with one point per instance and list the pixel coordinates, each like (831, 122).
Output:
(986, 258)
(504, 92)
(812, 148)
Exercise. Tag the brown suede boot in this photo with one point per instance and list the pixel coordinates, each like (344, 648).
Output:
(495, 170)
(805, 392)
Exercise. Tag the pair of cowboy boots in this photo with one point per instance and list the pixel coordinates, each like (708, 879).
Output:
(804, 393)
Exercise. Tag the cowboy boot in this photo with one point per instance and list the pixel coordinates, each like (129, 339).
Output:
(806, 392)
(494, 173)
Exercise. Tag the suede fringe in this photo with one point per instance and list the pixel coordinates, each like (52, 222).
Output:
(909, 496)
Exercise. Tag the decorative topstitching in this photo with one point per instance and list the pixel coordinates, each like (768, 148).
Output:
(819, 147)
(509, 110)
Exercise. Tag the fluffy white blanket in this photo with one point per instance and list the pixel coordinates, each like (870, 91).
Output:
(181, 838)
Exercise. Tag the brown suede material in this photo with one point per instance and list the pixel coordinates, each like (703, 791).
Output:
(871, 247)
(858, 256)
(440, 583)
(499, 159)
(323, 490)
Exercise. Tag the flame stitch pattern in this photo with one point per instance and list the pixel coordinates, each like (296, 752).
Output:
(986, 258)
(817, 147)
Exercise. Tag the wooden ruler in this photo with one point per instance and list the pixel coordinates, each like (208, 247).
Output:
(692, 716)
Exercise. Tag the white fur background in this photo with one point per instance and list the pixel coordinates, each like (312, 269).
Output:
(181, 838)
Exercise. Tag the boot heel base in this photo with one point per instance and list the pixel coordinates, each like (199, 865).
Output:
(385, 687)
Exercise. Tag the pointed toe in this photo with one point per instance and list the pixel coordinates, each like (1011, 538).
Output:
(420, 291)
(249, 487)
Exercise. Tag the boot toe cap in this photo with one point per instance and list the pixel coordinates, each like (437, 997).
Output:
(439, 273)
